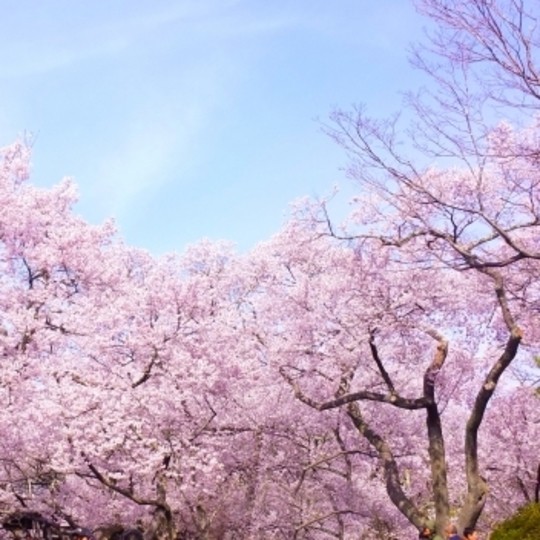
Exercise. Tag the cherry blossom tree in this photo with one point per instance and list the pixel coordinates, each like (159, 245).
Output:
(417, 307)
(412, 322)
(137, 392)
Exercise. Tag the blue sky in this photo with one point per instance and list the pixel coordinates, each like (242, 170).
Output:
(196, 118)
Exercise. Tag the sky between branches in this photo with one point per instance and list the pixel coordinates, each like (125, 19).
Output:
(196, 118)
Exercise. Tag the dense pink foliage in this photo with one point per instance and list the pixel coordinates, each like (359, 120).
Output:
(137, 388)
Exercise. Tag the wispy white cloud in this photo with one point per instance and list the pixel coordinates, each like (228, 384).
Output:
(161, 134)
(53, 49)
(161, 141)
(138, 164)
